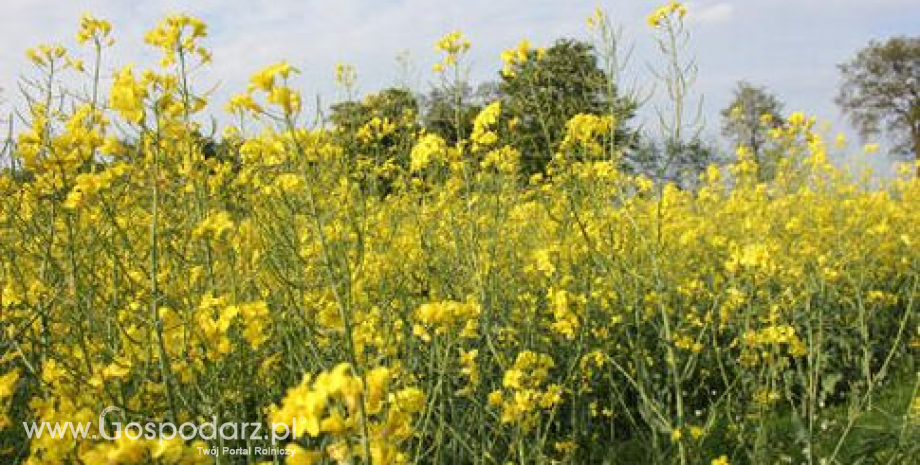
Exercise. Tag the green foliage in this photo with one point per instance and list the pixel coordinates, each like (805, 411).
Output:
(377, 134)
(752, 112)
(543, 92)
(747, 121)
(393, 104)
(679, 162)
(449, 111)
(881, 89)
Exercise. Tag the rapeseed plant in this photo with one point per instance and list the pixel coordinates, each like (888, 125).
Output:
(462, 315)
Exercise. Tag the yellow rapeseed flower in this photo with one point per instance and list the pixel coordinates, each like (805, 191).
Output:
(662, 13)
(97, 30)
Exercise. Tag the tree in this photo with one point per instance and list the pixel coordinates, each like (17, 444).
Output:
(444, 105)
(881, 89)
(394, 108)
(377, 134)
(679, 162)
(749, 117)
(393, 104)
(549, 87)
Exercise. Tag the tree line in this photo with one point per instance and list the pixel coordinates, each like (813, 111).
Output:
(543, 89)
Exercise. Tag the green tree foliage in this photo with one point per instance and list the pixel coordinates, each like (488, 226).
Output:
(680, 162)
(881, 90)
(377, 134)
(747, 121)
(393, 107)
(548, 88)
(752, 112)
(392, 104)
(449, 111)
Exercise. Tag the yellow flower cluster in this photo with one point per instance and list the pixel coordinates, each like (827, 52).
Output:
(87, 185)
(776, 335)
(504, 159)
(45, 54)
(527, 392)
(587, 132)
(345, 75)
(447, 317)
(430, 148)
(453, 45)
(178, 36)
(450, 311)
(272, 80)
(666, 11)
(127, 450)
(128, 96)
(96, 30)
(484, 126)
(518, 56)
(376, 130)
(7, 389)
(338, 405)
(566, 309)
(597, 20)
(215, 225)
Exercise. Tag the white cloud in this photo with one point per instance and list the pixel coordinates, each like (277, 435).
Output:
(716, 13)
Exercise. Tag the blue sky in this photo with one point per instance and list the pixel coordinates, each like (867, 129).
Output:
(790, 46)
